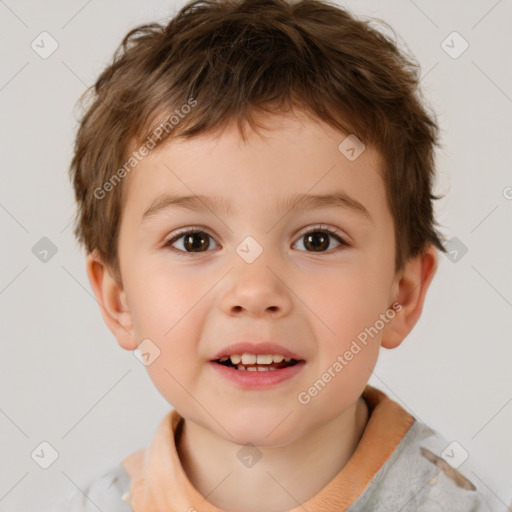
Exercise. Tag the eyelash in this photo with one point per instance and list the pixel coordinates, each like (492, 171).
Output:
(192, 230)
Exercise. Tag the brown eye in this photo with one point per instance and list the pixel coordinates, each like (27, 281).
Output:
(190, 242)
(319, 240)
(316, 241)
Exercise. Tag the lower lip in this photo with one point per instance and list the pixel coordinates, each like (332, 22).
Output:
(256, 379)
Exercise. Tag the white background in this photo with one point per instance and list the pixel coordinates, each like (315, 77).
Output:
(64, 379)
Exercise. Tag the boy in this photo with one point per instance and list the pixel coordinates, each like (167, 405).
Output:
(254, 194)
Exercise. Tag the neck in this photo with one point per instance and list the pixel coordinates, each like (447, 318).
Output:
(283, 478)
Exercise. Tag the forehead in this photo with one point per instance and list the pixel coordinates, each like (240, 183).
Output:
(294, 155)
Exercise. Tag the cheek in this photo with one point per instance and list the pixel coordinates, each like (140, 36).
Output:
(164, 314)
(350, 301)
(159, 300)
(338, 384)
(170, 321)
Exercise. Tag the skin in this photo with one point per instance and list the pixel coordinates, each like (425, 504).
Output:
(314, 302)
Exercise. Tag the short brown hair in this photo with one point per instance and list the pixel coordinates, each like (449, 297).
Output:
(232, 58)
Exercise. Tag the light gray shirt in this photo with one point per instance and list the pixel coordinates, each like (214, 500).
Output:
(423, 474)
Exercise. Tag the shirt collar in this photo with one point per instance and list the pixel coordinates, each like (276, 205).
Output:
(159, 482)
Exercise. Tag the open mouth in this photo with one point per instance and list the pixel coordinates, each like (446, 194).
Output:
(260, 367)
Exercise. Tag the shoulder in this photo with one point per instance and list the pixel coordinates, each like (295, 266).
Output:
(427, 473)
(103, 492)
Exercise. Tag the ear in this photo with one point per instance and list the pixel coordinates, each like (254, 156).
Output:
(409, 291)
(111, 298)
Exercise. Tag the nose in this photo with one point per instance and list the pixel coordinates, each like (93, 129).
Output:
(256, 289)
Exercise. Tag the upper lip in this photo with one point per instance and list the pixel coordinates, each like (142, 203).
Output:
(247, 347)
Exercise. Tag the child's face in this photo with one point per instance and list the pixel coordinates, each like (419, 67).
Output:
(310, 295)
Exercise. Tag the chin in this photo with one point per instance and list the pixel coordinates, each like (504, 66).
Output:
(268, 435)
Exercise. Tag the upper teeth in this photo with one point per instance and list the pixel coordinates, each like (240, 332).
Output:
(256, 359)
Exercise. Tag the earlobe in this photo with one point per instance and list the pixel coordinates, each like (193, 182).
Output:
(111, 298)
(410, 292)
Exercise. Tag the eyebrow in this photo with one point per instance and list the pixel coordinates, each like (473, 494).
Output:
(336, 199)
